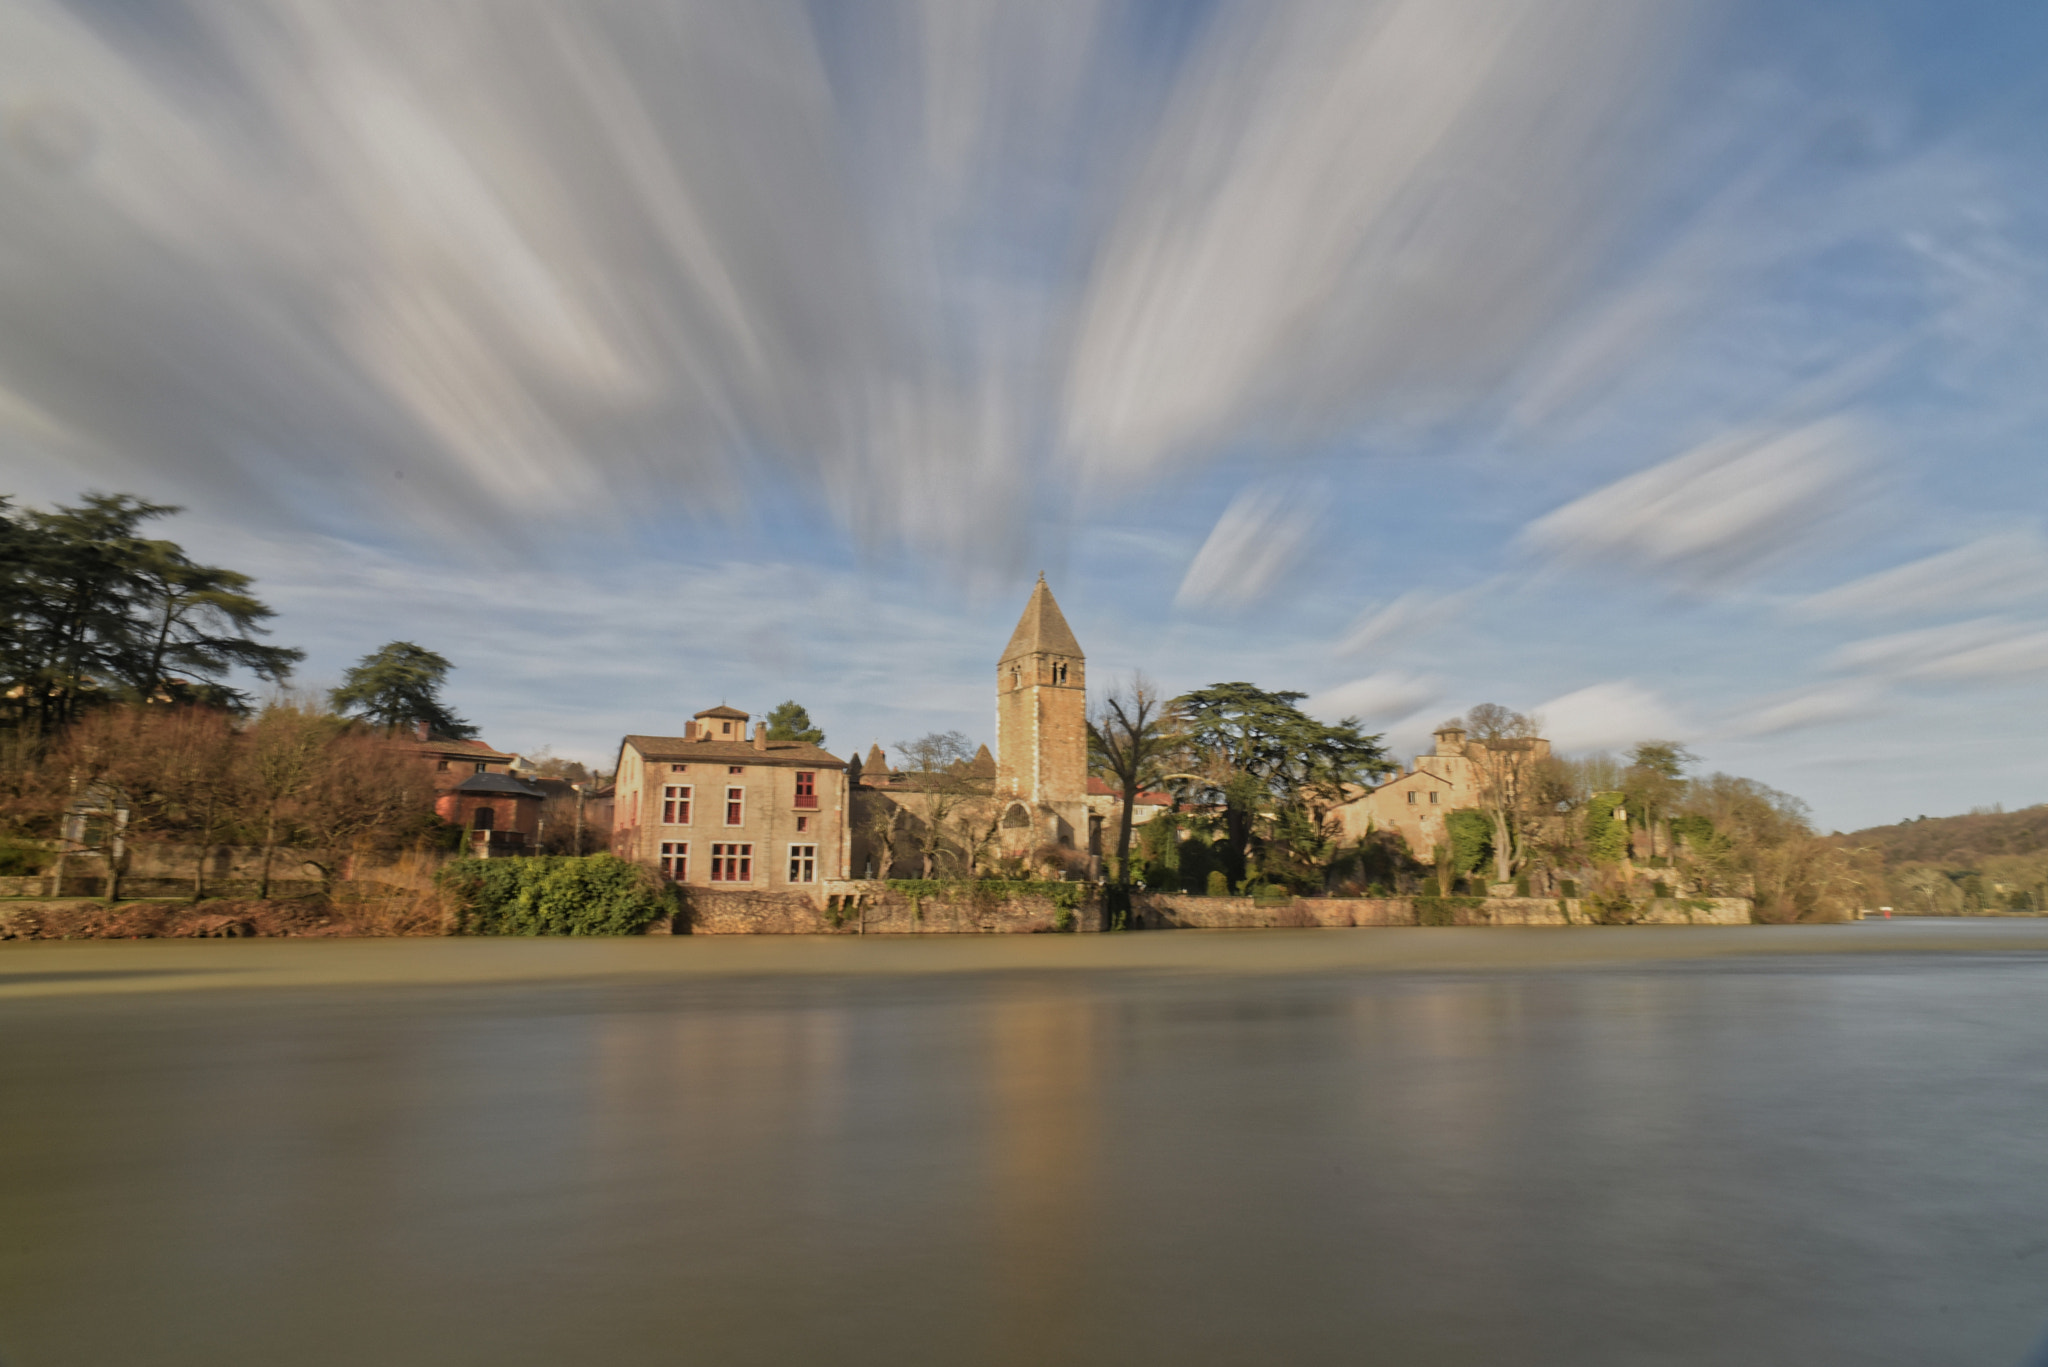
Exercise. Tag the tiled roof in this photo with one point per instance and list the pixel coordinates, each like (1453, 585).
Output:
(497, 783)
(789, 752)
(1042, 628)
(1098, 788)
(470, 749)
(722, 711)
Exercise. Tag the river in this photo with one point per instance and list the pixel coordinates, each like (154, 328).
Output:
(1634, 1146)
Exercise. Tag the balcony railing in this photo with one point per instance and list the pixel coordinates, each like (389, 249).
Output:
(807, 803)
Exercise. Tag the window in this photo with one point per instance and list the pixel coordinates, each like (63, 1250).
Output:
(482, 768)
(806, 788)
(803, 823)
(1059, 672)
(725, 727)
(736, 768)
(1435, 798)
(679, 768)
(675, 859)
(803, 863)
(735, 806)
(1411, 797)
(442, 765)
(675, 805)
(484, 820)
(732, 863)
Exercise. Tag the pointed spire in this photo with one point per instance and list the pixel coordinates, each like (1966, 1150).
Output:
(877, 762)
(983, 765)
(1042, 628)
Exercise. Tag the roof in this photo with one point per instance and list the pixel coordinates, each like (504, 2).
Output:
(722, 711)
(497, 783)
(876, 762)
(470, 749)
(1042, 628)
(1098, 788)
(789, 752)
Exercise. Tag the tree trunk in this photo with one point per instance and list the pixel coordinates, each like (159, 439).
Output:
(269, 844)
(1503, 848)
(1123, 836)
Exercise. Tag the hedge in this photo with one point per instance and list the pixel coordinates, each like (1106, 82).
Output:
(596, 894)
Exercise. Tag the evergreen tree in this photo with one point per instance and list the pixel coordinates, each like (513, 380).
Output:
(1257, 753)
(789, 721)
(91, 611)
(399, 687)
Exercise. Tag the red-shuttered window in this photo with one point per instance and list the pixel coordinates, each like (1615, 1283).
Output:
(806, 788)
(732, 863)
(675, 805)
(735, 806)
(675, 859)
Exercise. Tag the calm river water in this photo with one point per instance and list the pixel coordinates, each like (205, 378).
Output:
(1636, 1146)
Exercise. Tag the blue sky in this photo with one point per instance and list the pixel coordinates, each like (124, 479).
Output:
(1669, 370)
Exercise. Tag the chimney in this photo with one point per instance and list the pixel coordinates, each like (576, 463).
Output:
(419, 731)
(760, 735)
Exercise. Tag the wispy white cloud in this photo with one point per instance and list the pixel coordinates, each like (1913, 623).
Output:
(1992, 571)
(1715, 513)
(1805, 709)
(1607, 715)
(1408, 619)
(1379, 697)
(1983, 648)
(1257, 539)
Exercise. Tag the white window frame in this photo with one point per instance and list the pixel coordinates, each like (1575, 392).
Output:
(724, 861)
(735, 797)
(803, 863)
(673, 793)
(675, 860)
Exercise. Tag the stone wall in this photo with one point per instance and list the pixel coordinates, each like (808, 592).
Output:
(1166, 911)
(162, 869)
(874, 908)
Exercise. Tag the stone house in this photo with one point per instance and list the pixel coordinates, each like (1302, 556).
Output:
(715, 808)
(475, 788)
(1414, 803)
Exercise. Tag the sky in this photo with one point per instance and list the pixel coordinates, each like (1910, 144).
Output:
(1666, 370)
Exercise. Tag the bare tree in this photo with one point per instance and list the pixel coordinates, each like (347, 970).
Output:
(282, 757)
(1502, 746)
(884, 830)
(1133, 738)
(937, 767)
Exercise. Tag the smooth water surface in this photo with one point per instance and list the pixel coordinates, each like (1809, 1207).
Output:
(1637, 1146)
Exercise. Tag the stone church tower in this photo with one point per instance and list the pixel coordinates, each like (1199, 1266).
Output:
(1042, 729)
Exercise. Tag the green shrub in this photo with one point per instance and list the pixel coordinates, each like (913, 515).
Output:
(22, 859)
(1606, 838)
(1219, 883)
(597, 894)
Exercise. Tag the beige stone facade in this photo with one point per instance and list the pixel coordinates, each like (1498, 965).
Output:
(1415, 803)
(714, 808)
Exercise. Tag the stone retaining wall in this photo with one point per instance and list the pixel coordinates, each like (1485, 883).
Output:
(874, 908)
(1168, 911)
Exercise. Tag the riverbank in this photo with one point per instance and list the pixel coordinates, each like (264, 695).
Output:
(47, 967)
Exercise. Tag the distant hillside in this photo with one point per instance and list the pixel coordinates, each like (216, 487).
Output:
(1956, 841)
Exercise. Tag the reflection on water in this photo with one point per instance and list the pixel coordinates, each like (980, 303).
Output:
(1802, 1160)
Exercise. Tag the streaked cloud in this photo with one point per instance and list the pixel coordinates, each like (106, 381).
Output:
(1805, 709)
(1609, 715)
(1376, 698)
(1983, 648)
(1257, 539)
(1407, 619)
(1992, 571)
(1713, 514)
